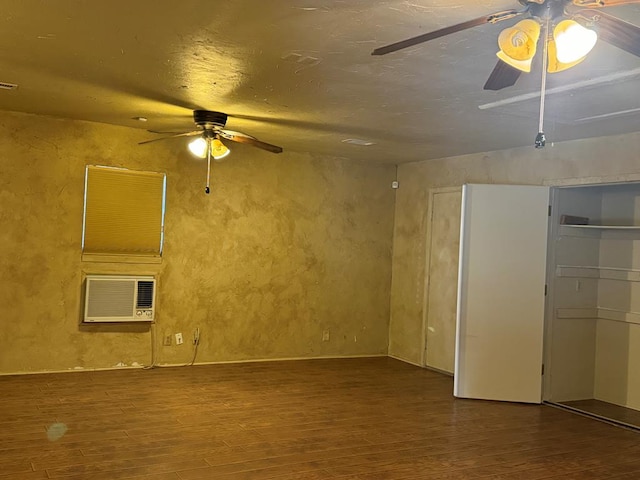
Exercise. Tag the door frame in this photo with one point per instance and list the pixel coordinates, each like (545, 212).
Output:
(554, 221)
(427, 274)
(549, 316)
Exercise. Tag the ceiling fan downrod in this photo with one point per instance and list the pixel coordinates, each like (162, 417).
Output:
(541, 140)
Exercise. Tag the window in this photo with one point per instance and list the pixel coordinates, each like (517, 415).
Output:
(123, 212)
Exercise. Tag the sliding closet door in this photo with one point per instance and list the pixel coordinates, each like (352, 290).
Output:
(501, 292)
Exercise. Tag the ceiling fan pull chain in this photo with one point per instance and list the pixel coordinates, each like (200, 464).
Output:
(540, 138)
(207, 190)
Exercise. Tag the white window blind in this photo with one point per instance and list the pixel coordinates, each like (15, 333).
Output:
(123, 212)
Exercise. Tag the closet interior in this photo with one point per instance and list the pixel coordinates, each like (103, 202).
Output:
(592, 357)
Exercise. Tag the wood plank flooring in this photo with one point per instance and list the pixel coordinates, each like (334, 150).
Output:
(355, 419)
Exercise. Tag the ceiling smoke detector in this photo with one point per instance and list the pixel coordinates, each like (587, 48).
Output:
(358, 141)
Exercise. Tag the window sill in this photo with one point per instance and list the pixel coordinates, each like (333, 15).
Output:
(105, 258)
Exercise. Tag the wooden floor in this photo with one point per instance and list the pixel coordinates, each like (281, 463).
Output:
(361, 419)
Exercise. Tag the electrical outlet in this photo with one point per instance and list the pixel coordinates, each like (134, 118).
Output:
(325, 336)
(167, 340)
(179, 339)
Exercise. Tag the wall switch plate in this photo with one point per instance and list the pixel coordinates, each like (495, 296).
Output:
(325, 336)
(179, 339)
(167, 340)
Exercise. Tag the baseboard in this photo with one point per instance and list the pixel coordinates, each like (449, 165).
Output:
(395, 357)
(436, 370)
(76, 370)
(170, 365)
(264, 360)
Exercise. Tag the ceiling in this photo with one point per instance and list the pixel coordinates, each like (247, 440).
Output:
(300, 74)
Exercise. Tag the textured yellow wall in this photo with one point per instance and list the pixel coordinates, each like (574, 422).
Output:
(285, 247)
(606, 159)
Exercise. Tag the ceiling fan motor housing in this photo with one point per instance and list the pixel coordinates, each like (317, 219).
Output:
(551, 9)
(208, 119)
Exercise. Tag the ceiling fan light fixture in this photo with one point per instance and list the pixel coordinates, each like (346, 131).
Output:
(218, 149)
(198, 147)
(555, 65)
(518, 44)
(573, 41)
(522, 65)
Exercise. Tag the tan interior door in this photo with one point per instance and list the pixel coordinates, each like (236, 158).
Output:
(443, 280)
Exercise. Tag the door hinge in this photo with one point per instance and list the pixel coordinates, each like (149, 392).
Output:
(546, 288)
(543, 369)
(549, 211)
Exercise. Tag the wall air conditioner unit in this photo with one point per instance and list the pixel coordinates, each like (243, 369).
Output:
(112, 298)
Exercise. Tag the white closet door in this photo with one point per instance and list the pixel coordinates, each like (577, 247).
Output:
(501, 301)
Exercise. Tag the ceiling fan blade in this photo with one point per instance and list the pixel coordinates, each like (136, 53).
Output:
(249, 140)
(165, 132)
(602, 3)
(492, 18)
(615, 31)
(186, 134)
(502, 76)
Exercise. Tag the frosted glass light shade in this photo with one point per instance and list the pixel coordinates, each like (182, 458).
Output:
(556, 65)
(218, 149)
(518, 44)
(573, 41)
(198, 147)
(520, 41)
(522, 65)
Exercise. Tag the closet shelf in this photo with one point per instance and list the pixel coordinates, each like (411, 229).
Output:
(607, 273)
(599, 313)
(604, 227)
(623, 232)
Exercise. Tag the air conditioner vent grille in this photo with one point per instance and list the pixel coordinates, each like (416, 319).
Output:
(145, 294)
(110, 298)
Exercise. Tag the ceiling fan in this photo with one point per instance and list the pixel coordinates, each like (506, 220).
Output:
(611, 29)
(569, 29)
(210, 132)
